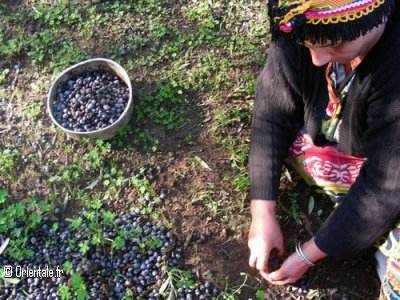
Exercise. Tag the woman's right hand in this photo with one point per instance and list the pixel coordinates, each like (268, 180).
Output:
(265, 237)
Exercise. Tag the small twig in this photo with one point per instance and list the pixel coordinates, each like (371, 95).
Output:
(187, 240)
(14, 82)
(307, 224)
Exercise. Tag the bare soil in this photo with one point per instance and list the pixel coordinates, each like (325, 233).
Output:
(214, 249)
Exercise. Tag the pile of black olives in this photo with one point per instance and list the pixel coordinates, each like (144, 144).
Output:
(90, 101)
(136, 270)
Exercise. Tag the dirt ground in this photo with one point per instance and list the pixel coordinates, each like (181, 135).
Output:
(223, 251)
(214, 249)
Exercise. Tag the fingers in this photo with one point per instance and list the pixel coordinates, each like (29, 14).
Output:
(277, 278)
(261, 263)
(258, 261)
(252, 260)
(291, 270)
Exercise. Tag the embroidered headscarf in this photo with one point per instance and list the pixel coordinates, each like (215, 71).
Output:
(321, 20)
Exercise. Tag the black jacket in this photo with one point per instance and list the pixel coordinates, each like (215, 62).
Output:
(291, 93)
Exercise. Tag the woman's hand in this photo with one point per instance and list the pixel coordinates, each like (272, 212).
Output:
(265, 237)
(291, 271)
(293, 268)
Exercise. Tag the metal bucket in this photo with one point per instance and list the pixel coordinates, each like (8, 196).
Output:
(91, 65)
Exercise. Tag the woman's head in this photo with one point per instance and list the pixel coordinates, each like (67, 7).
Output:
(327, 21)
(344, 52)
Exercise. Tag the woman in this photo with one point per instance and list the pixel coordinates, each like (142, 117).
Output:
(328, 103)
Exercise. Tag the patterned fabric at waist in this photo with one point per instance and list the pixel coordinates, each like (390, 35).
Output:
(326, 168)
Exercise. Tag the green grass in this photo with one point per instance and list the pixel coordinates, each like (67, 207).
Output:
(193, 65)
(8, 157)
(14, 214)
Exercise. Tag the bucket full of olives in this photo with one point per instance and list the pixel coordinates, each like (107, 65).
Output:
(91, 99)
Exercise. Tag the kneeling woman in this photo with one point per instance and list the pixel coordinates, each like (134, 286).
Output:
(328, 102)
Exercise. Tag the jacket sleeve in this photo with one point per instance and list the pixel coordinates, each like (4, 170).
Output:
(372, 205)
(277, 117)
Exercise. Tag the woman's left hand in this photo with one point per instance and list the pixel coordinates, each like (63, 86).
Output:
(293, 268)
